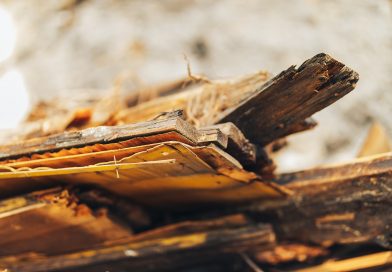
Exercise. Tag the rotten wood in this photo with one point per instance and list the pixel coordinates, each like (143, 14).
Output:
(54, 222)
(277, 108)
(342, 204)
(147, 255)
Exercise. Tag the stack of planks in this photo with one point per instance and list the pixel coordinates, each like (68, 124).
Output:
(183, 179)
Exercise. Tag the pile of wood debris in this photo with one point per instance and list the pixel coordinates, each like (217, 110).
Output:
(181, 177)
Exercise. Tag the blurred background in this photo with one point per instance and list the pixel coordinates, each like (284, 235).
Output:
(57, 48)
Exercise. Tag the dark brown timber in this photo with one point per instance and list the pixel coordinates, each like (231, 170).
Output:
(288, 99)
(342, 204)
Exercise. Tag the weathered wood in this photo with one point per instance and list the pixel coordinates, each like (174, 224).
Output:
(212, 135)
(163, 175)
(348, 203)
(54, 222)
(380, 261)
(306, 124)
(202, 104)
(288, 99)
(147, 255)
(111, 137)
(238, 146)
(165, 89)
(103, 134)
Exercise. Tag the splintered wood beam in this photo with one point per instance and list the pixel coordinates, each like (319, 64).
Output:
(278, 107)
(152, 254)
(348, 203)
(212, 135)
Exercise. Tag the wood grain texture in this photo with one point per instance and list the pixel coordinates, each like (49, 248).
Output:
(202, 104)
(103, 134)
(53, 222)
(163, 175)
(342, 204)
(288, 99)
(150, 255)
(100, 139)
(237, 144)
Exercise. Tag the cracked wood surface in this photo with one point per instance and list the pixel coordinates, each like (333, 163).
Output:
(275, 109)
(153, 254)
(347, 203)
(103, 134)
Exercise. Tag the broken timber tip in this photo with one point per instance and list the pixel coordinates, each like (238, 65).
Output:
(278, 107)
(335, 69)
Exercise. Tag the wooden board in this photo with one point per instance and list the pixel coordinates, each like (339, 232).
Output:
(165, 175)
(275, 109)
(43, 147)
(101, 134)
(347, 203)
(237, 144)
(264, 111)
(153, 254)
(53, 222)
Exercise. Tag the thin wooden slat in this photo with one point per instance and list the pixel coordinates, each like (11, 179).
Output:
(96, 135)
(138, 143)
(238, 146)
(170, 169)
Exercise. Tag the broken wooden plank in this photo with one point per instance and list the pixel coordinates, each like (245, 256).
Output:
(103, 134)
(349, 203)
(238, 145)
(312, 179)
(212, 135)
(106, 138)
(151, 254)
(288, 99)
(54, 222)
(164, 175)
